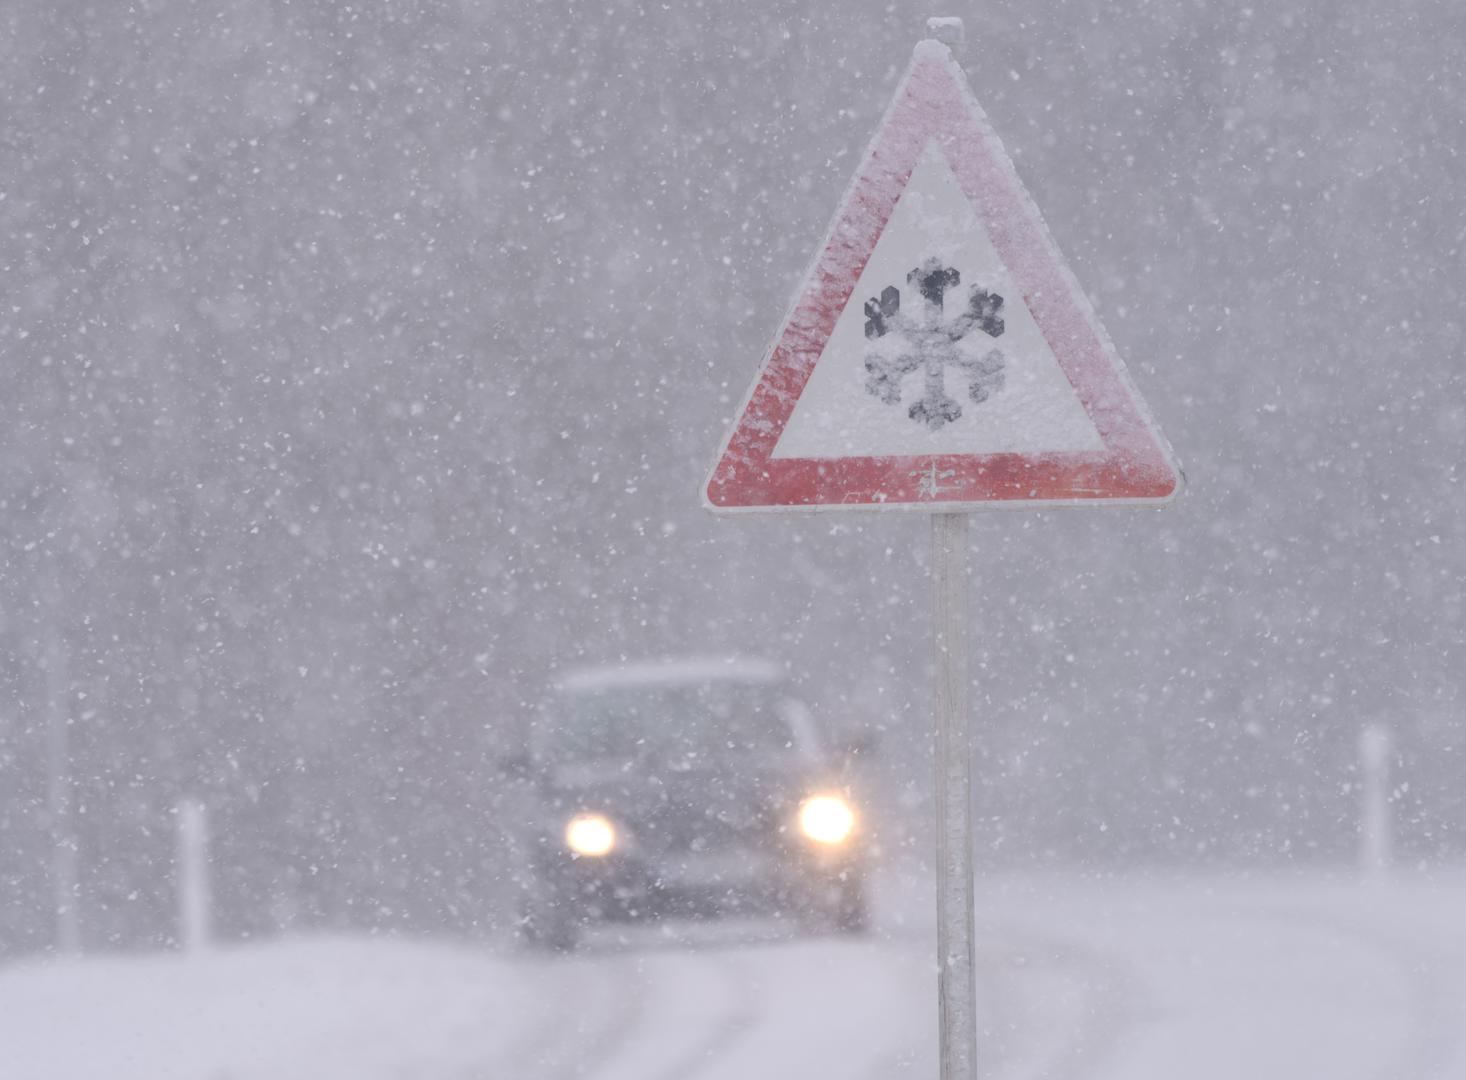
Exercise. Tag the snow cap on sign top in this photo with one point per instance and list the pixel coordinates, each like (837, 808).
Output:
(939, 355)
(948, 30)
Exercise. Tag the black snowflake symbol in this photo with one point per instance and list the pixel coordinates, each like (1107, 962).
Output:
(927, 340)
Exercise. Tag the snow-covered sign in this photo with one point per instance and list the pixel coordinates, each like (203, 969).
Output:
(940, 355)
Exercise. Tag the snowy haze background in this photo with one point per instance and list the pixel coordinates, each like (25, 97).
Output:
(362, 365)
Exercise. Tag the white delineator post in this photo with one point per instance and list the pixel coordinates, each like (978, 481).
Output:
(1375, 745)
(193, 876)
(956, 998)
(64, 849)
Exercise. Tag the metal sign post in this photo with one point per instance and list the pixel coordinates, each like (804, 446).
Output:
(956, 963)
(956, 1001)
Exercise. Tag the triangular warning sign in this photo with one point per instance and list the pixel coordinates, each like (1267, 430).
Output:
(940, 355)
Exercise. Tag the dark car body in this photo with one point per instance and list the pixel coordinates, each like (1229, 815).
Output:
(700, 768)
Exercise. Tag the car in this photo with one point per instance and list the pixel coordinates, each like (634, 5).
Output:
(686, 788)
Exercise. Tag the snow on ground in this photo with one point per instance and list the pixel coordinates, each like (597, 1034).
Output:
(1297, 979)
(1294, 980)
(317, 1009)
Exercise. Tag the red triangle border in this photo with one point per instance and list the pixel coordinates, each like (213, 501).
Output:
(934, 103)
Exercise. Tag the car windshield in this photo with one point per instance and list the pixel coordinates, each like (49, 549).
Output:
(709, 720)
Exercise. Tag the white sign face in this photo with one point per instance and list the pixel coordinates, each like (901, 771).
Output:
(1036, 409)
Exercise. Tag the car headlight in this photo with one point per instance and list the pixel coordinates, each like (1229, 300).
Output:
(590, 834)
(826, 819)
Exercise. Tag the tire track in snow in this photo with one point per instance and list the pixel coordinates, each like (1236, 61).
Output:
(577, 1028)
(1105, 1007)
(915, 1032)
(1012, 1035)
(511, 1057)
(645, 981)
(765, 1007)
(733, 1027)
(821, 1007)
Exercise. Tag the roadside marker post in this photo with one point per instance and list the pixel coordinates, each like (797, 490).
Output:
(1376, 745)
(194, 900)
(940, 358)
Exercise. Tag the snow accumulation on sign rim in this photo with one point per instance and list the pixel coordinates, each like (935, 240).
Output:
(940, 355)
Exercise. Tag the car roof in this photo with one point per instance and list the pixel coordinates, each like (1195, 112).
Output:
(670, 672)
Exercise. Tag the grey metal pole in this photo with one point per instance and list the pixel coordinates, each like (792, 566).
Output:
(956, 998)
(956, 992)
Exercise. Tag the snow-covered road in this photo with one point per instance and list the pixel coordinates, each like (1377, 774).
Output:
(721, 1011)
(1219, 980)
(1301, 979)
